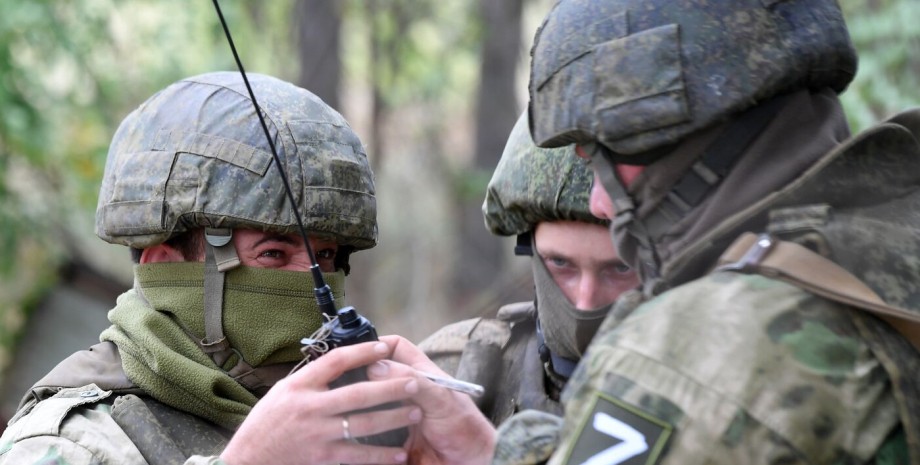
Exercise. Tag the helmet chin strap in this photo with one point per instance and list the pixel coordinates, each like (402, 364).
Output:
(220, 257)
(637, 239)
(626, 222)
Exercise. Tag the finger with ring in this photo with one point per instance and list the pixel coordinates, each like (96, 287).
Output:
(346, 434)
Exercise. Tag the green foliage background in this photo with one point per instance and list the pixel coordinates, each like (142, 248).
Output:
(887, 37)
(70, 71)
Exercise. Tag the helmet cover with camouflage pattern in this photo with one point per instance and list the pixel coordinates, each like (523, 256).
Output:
(637, 75)
(195, 155)
(531, 185)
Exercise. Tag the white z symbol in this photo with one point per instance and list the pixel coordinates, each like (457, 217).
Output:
(633, 442)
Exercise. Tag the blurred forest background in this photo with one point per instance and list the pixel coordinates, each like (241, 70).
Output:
(432, 87)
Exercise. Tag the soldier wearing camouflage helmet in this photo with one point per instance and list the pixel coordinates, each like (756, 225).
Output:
(780, 318)
(221, 298)
(780, 312)
(543, 200)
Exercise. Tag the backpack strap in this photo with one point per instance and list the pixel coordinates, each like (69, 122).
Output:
(803, 268)
(790, 262)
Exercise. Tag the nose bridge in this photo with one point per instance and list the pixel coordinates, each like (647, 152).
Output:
(588, 297)
(596, 201)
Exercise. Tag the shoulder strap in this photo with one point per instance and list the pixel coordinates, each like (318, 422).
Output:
(799, 266)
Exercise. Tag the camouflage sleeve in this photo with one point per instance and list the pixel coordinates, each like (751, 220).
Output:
(527, 438)
(728, 369)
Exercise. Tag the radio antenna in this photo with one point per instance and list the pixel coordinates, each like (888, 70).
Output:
(323, 293)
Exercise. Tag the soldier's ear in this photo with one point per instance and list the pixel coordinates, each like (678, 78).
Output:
(161, 253)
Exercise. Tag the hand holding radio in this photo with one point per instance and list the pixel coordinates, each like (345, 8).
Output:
(351, 328)
(327, 412)
(301, 420)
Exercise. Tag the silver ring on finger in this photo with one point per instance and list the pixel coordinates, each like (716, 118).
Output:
(346, 433)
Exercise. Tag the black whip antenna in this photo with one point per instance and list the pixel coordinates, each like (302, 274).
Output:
(323, 293)
(345, 327)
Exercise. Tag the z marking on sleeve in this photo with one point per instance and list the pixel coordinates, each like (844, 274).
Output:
(633, 442)
(613, 432)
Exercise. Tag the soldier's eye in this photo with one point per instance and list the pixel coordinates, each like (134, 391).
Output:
(325, 254)
(557, 262)
(273, 253)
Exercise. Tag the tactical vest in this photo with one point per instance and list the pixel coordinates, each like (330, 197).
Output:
(162, 434)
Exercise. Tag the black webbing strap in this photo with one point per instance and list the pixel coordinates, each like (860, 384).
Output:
(524, 244)
(712, 167)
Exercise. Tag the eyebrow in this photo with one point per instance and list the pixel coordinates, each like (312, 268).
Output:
(275, 238)
(555, 254)
(614, 262)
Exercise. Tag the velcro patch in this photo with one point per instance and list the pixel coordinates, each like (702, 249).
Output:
(615, 433)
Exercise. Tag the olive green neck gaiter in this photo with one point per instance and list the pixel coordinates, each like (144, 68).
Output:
(266, 314)
(567, 330)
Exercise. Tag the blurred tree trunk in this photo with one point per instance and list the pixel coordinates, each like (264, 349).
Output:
(377, 63)
(496, 111)
(388, 23)
(318, 26)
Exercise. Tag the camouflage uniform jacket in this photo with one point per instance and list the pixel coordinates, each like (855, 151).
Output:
(87, 412)
(806, 389)
(502, 355)
(734, 368)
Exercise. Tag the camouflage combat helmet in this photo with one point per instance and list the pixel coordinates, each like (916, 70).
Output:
(194, 155)
(527, 189)
(638, 75)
